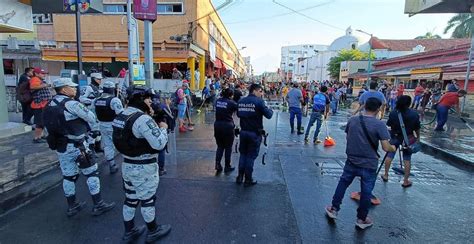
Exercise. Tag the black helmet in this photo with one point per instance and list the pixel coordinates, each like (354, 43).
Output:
(136, 96)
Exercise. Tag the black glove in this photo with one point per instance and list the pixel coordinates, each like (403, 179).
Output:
(94, 134)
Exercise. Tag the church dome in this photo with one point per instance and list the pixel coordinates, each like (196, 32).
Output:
(348, 41)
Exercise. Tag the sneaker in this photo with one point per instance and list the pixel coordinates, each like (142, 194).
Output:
(182, 129)
(78, 206)
(306, 140)
(102, 207)
(161, 231)
(228, 169)
(331, 212)
(162, 172)
(363, 224)
(134, 233)
(317, 141)
(190, 128)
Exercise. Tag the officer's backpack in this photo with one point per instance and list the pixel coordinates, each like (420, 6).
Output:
(54, 121)
(319, 102)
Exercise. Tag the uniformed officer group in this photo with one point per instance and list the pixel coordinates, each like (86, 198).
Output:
(76, 125)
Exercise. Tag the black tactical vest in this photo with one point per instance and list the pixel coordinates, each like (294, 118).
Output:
(124, 140)
(103, 110)
(56, 123)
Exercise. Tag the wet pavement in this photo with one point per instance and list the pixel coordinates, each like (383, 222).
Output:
(286, 206)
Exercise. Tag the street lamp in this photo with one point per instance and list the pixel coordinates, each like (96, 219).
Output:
(244, 47)
(370, 53)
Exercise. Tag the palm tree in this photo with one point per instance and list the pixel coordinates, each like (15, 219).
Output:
(429, 35)
(462, 25)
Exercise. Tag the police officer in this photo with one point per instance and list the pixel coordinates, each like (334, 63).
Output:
(88, 94)
(251, 111)
(224, 129)
(107, 106)
(138, 137)
(67, 122)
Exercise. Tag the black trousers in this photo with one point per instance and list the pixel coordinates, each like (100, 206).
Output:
(27, 114)
(224, 134)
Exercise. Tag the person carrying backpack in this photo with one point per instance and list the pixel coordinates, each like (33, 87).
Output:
(320, 107)
(24, 95)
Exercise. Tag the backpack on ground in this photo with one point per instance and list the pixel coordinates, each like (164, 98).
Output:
(23, 92)
(319, 102)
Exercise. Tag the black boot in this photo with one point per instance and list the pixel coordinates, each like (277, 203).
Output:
(100, 206)
(218, 167)
(228, 168)
(249, 181)
(300, 132)
(132, 232)
(240, 177)
(98, 148)
(156, 231)
(74, 207)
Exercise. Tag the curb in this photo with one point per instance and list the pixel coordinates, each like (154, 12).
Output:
(450, 158)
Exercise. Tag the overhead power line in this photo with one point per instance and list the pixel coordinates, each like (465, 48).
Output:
(304, 15)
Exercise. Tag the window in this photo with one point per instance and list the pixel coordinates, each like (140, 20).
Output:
(115, 9)
(169, 8)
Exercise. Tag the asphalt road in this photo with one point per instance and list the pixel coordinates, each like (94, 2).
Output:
(286, 206)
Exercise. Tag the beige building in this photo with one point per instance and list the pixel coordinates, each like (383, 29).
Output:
(204, 40)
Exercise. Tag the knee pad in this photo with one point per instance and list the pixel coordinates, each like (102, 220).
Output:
(94, 173)
(72, 178)
(133, 203)
(150, 202)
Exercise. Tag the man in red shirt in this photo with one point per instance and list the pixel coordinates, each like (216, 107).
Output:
(41, 96)
(447, 101)
(400, 90)
(419, 90)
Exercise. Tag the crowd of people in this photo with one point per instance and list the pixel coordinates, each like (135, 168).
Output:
(80, 125)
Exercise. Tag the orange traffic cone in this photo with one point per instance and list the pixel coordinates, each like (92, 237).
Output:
(328, 141)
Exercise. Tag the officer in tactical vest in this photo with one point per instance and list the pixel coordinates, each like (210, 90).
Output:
(88, 95)
(67, 122)
(251, 111)
(139, 138)
(107, 106)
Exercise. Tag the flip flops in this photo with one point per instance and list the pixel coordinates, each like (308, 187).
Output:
(407, 185)
(384, 179)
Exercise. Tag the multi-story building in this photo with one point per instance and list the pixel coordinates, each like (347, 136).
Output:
(290, 55)
(186, 35)
(248, 69)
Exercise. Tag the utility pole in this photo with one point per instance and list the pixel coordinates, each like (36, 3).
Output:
(468, 73)
(369, 66)
(130, 41)
(78, 38)
(148, 52)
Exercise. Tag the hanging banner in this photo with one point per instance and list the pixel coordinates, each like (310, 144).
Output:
(139, 74)
(144, 9)
(212, 49)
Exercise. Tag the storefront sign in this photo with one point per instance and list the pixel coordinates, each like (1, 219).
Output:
(139, 74)
(144, 9)
(457, 76)
(432, 76)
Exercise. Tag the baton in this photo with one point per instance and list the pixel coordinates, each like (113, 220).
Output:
(266, 147)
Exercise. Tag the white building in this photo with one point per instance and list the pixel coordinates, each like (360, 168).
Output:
(290, 55)
(315, 66)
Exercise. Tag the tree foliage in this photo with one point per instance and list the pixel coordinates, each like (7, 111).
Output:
(429, 35)
(334, 65)
(462, 25)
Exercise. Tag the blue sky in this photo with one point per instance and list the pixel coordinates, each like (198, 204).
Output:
(252, 23)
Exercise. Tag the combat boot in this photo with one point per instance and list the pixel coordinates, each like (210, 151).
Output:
(74, 207)
(249, 181)
(100, 206)
(159, 232)
(240, 177)
(131, 231)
